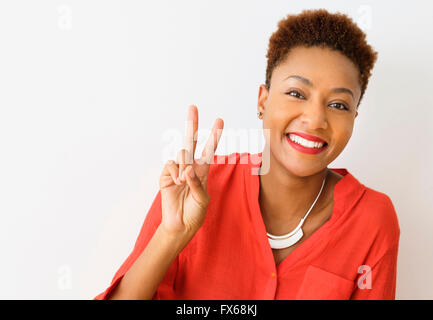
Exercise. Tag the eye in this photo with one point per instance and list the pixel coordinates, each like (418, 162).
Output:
(341, 106)
(296, 94)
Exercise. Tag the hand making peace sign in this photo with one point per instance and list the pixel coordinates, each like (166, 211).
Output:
(183, 183)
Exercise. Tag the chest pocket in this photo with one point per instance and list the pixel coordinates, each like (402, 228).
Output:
(319, 284)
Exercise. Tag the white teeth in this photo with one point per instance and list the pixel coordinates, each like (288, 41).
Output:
(304, 142)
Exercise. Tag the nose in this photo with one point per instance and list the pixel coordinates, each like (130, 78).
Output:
(314, 115)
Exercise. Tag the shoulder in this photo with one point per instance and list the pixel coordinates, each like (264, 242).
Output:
(368, 225)
(380, 206)
(224, 168)
(224, 163)
(380, 215)
(228, 172)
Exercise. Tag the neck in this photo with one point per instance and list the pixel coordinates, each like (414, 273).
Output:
(286, 198)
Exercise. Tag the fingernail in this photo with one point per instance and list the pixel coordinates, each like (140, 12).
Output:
(183, 175)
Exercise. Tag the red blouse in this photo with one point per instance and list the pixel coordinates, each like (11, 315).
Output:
(351, 256)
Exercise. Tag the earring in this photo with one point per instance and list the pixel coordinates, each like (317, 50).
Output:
(259, 114)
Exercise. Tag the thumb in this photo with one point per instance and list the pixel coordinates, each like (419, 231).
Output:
(198, 193)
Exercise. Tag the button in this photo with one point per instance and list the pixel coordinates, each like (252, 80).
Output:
(273, 275)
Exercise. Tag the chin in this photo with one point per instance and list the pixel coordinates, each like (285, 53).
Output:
(298, 166)
(304, 170)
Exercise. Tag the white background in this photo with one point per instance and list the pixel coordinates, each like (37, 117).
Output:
(91, 93)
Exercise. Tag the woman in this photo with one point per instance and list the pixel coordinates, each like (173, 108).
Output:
(278, 224)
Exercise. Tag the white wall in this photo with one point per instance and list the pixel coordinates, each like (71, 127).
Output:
(89, 90)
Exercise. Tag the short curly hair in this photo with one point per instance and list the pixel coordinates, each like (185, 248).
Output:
(320, 28)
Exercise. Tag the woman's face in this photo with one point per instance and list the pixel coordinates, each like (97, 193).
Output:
(302, 98)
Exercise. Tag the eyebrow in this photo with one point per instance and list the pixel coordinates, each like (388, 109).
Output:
(308, 83)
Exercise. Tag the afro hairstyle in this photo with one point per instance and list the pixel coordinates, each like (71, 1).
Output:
(320, 28)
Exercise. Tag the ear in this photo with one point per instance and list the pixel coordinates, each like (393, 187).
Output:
(262, 98)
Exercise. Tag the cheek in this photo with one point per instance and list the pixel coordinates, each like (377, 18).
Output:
(343, 134)
(276, 118)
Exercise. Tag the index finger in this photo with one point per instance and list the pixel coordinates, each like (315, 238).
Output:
(191, 133)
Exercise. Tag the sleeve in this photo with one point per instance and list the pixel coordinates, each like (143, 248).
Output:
(379, 281)
(151, 223)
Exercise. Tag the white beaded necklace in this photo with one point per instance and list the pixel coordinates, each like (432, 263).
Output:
(289, 239)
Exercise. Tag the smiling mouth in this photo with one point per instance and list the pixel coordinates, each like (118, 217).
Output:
(305, 142)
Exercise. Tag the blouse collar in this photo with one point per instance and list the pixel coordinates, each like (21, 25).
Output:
(347, 191)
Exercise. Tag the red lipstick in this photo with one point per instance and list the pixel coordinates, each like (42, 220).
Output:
(308, 137)
(303, 149)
